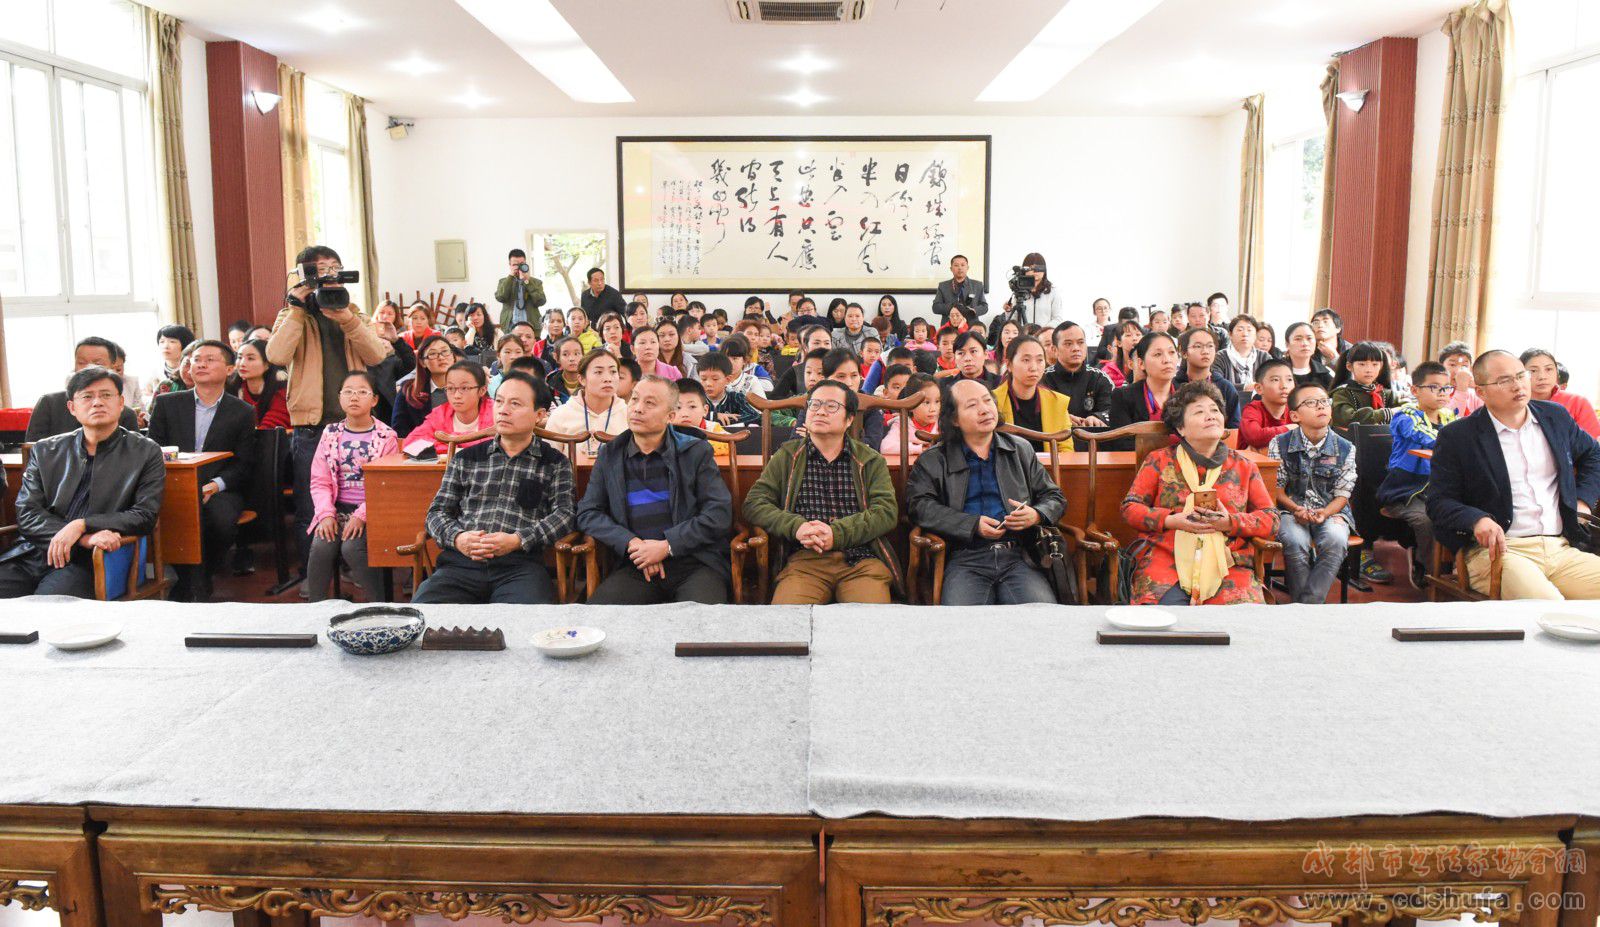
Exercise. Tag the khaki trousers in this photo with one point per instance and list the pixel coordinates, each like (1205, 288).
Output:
(810, 578)
(1538, 568)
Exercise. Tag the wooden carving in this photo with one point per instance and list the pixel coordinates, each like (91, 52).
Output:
(1485, 904)
(33, 896)
(511, 907)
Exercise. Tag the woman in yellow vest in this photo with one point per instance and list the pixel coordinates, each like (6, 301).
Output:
(1022, 401)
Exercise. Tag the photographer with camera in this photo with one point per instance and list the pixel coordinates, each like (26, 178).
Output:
(960, 290)
(520, 294)
(1033, 298)
(319, 338)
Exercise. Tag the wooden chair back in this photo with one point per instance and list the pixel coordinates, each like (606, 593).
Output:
(768, 406)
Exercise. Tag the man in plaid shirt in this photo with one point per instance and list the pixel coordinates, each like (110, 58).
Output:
(500, 504)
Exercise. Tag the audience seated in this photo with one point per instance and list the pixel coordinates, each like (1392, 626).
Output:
(1198, 344)
(1544, 380)
(969, 354)
(260, 385)
(1415, 426)
(596, 406)
(1457, 358)
(1180, 525)
(1142, 400)
(924, 417)
(499, 506)
(1240, 357)
(658, 501)
(1022, 401)
(1510, 480)
(1300, 350)
(83, 489)
(1316, 477)
(1086, 386)
(207, 418)
(172, 340)
(338, 489)
(983, 492)
(421, 391)
(832, 497)
(1267, 415)
(51, 415)
(728, 406)
(467, 409)
(1361, 393)
(1329, 330)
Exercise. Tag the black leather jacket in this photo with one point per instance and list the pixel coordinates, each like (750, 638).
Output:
(936, 490)
(125, 491)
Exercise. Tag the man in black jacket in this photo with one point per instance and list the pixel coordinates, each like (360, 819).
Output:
(979, 490)
(1510, 480)
(50, 415)
(656, 498)
(207, 418)
(1087, 389)
(82, 490)
(600, 298)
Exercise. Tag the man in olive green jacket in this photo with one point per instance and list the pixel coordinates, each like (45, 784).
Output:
(828, 498)
(520, 294)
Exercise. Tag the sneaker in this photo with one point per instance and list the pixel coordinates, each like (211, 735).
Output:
(1373, 571)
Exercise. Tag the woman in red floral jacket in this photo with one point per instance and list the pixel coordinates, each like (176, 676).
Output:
(1159, 504)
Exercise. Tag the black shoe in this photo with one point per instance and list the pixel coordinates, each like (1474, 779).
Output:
(1357, 583)
(244, 561)
(1419, 576)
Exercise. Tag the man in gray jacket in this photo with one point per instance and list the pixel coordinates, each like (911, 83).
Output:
(520, 294)
(82, 490)
(980, 491)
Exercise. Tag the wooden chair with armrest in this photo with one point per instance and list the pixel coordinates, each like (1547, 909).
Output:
(424, 550)
(120, 574)
(1149, 436)
(597, 558)
(758, 540)
(1448, 575)
(921, 546)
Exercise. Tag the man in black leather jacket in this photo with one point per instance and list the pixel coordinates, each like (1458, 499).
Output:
(83, 489)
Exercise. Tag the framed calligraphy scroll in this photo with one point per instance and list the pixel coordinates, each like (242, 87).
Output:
(878, 214)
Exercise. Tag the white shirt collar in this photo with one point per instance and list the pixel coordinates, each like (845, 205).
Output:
(1500, 426)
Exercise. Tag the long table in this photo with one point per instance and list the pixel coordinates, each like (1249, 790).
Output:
(180, 505)
(992, 777)
(399, 491)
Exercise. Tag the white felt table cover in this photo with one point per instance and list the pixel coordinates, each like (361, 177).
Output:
(629, 729)
(1311, 712)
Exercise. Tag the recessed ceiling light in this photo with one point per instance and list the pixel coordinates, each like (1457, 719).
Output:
(1065, 42)
(472, 99)
(538, 33)
(805, 96)
(417, 66)
(806, 63)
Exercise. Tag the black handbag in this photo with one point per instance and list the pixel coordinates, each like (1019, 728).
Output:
(1045, 549)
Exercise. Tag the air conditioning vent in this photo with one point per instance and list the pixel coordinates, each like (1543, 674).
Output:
(804, 12)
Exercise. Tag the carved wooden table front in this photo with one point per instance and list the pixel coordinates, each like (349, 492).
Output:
(46, 863)
(286, 868)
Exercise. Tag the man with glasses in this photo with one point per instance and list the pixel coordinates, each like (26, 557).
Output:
(1510, 480)
(50, 415)
(319, 347)
(82, 490)
(828, 502)
(1415, 427)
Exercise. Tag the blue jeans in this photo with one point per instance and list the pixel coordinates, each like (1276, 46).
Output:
(991, 574)
(1312, 555)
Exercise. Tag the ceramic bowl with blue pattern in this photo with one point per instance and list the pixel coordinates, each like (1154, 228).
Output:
(377, 629)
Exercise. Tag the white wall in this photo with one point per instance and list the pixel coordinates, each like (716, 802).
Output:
(1433, 50)
(1120, 207)
(197, 150)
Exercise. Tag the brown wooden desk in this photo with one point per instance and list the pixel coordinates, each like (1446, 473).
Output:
(180, 506)
(47, 863)
(398, 495)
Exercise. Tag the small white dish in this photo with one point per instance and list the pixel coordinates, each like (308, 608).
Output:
(1571, 627)
(83, 635)
(1140, 617)
(563, 643)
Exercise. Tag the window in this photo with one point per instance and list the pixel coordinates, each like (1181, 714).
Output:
(1546, 286)
(560, 259)
(332, 222)
(77, 185)
(1293, 212)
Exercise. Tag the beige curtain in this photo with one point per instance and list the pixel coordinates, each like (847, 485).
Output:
(1330, 103)
(1252, 215)
(1463, 186)
(172, 176)
(296, 162)
(361, 197)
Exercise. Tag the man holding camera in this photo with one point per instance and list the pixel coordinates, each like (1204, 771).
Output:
(520, 294)
(319, 338)
(959, 290)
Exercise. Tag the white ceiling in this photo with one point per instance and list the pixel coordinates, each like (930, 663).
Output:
(910, 57)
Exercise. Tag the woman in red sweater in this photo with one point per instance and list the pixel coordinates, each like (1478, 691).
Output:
(261, 384)
(1544, 376)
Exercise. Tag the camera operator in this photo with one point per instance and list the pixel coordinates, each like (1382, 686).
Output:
(1033, 298)
(520, 294)
(319, 338)
(960, 290)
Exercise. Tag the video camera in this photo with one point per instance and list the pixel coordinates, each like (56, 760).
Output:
(1021, 283)
(327, 291)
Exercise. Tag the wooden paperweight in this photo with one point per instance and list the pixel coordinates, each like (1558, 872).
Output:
(464, 639)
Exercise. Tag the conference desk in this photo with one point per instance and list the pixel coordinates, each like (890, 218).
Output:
(636, 787)
(180, 505)
(399, 491)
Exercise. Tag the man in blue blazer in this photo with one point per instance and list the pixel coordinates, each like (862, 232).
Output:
(1511, 478)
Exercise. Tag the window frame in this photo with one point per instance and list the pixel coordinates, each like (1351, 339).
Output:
(1529, 295)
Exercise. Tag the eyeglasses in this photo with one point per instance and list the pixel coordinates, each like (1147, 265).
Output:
(354, 393)
(1435, 388)
(1519, 377)
(461, 389)
(1316, 404)
(438, 355)
(825, 405)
